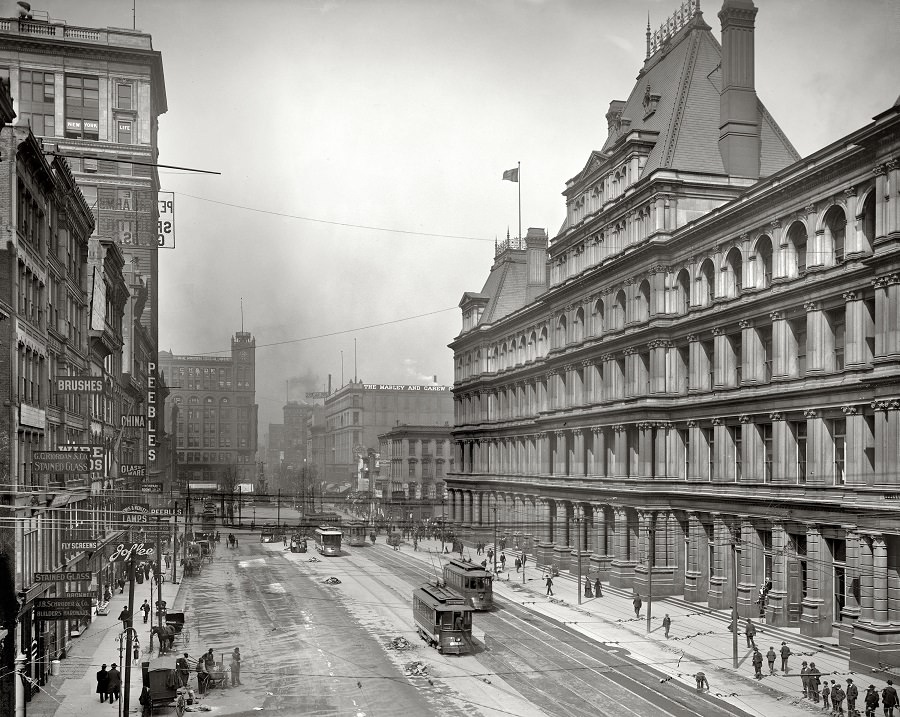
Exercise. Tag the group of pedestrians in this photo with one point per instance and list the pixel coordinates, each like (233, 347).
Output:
(109, 683)
(833, 695)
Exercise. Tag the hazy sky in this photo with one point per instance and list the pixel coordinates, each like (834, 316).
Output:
(403, 115)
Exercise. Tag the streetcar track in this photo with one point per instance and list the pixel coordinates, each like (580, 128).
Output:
(675, 701)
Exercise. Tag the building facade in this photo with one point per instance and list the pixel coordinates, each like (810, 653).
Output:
(215, 429)
(358, 413)
(94, 95)
(700, 375)
(413, 465)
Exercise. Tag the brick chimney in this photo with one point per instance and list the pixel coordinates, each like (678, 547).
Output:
(738, 105)
(536, 283)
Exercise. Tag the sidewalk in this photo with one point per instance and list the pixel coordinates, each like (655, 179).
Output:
(699, 639)
(72, 692)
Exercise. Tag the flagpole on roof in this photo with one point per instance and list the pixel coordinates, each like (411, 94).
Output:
(519, 175)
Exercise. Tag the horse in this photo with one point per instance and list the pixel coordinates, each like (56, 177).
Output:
(166, 635)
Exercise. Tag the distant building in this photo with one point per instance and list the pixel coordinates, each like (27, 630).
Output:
(705, 358)
(411, 470)
(216, 429)
(358, 413)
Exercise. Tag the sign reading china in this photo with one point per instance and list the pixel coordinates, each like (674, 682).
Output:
(137, 550)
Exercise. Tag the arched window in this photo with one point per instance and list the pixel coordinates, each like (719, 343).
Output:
(867, 223)
(619, 318)
(193, 400)
(561, 336)
(707, 279)
(642, 302)
(478, 367)
(578, 326)
(797, 240)
(542, 342)
(502, 364)
(764, 262)
(521, 355)
(530, 352)
(597, 317)
(224, 401)
(734, 267)
(208, 400)
(683, 292)
(494, 360)
(836, 232)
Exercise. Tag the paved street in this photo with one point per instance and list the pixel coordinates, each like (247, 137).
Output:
(314, 648)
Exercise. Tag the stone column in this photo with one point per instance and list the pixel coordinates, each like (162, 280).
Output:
(819, 450)
(620, 450)
(696, 584)
(866, 579)
(887, 317)
(544, 551)
(851, 610)
(559, 463)
(698, 372)
(783, 452)
(577, 465)
(720, 581)
(477, 516)
(853, 239)
(623, 562)
(753, 368)
(662, 429)
(777, 608)
(723, 361)
(818, 355)
(601, 555)
(815, 619)
(562, 550)
(467, 509)
(880, 580)
(856, 351)
(754, 458)
(645, 449)
(659, 350)
(782, 354)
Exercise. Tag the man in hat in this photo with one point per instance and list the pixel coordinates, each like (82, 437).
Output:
(871, 701)
(852, 694)
(804, 678)
(102, 682)
(889, 699)
(757, 663)
(785, 654)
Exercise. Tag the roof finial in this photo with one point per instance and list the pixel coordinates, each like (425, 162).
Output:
(648, 36)
(507, 234)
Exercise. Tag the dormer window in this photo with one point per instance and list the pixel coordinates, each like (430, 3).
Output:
(651, 99)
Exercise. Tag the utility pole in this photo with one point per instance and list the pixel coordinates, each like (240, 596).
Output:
(651, 544)
(443, 522)
(734, 613)
(578, 550)
(495, 539)
(174, 549)
(129, 631)
(278, 513)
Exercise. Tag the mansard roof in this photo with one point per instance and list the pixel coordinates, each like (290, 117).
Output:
(675, 105)
(505, 286)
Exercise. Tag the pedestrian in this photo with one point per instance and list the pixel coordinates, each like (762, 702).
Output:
(852, 694)
(549, 581)
(236, 666)
(145, 608)
(135, 653)
(637, 605)
(183, 670)
(837, 698)
(667, 624)
(785, 654)
(598, 589)
(814, 678)
(804, 678)
(168, 558)
(102, 682)
(524, 558)
(701, 681)
(518, 564)
(490, 554)
(889, 699)
(750, 632)
(826, 696)
(770, 658)
(202, 676)
(114, 685)
(125, 617)
(147, 569)
(503, 561)
(210, 659)
(757, 663)
(871, 701)
(587, 587)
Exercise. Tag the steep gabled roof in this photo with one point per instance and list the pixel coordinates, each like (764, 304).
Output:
(684, 76)
(505, 286)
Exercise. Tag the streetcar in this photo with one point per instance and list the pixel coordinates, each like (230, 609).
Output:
(471, 581)
(328, 540)
(443, 619)
(356, 534)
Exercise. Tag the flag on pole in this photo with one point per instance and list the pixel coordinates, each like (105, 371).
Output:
(511, 174)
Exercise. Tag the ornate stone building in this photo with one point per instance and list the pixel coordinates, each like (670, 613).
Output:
(699, 376)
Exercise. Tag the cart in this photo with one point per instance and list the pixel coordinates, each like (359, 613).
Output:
(218, 676)
(191, 565)
(159, 688)
(206, 550)
(394, 539)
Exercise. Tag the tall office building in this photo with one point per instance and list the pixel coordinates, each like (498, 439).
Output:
(698, 377)
(215, 427)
